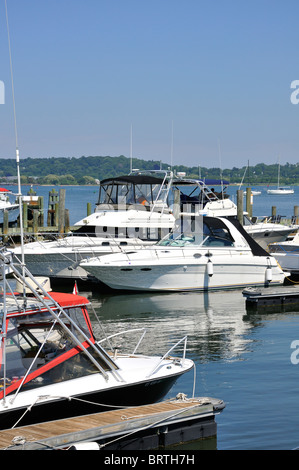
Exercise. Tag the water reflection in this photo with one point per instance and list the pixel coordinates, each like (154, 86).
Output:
(216, 323)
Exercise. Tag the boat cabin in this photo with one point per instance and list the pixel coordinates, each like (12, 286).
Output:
(37, 350)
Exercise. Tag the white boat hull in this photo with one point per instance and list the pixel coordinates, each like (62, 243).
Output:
(201, 274)
(288, 261)
(280, 191)
(60, 259)
(266, 233)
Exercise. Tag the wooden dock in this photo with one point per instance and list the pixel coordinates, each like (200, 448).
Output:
(139, 428)
(37, 221)
(278, 298)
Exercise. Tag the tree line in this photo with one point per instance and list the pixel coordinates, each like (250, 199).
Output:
(89, 170)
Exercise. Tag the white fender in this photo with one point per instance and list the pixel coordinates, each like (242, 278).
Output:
(268, 274)
(210, 268)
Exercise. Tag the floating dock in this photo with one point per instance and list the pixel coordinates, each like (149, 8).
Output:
(281, 297)
(136, 428)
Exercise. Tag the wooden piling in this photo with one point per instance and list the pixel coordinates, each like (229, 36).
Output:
(25, 216)
(66, 220)
(61, 211)
(53, 200)
(41, 211)
(88, 208)
(5, 225)
(296, 214)
(249, 202)
(240, 206)
(176, 204)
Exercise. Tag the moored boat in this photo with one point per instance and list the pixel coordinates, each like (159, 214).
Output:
(213, 253)
(52, 366)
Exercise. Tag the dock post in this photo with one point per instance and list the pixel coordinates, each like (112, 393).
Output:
(67, 221)
(25, 216)
(35, 222)
(249, 202)
(177, 203)
(41, 209)
(296, 214)
(53, 200)
(240, 206)
(61, 211)
(88, 208)
(5, 225)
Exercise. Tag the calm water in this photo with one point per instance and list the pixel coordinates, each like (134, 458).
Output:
(243, 358)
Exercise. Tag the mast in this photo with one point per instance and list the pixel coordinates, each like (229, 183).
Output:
(131, 151)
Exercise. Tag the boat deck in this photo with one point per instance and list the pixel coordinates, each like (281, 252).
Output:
(107, 426)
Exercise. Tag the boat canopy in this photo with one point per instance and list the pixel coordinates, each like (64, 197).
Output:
(39, 349)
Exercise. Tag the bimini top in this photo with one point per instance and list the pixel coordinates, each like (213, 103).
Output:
(134, 179)
(150, 179)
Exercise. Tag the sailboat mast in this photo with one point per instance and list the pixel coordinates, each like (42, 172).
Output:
(16, 138)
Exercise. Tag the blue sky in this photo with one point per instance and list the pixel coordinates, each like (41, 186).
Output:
(214, 74)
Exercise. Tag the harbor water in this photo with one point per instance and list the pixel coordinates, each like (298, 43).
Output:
(246, 358)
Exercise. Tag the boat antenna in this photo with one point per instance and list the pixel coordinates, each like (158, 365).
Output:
(131, 150)
(171, 147)
(19, 195)
(220, 164)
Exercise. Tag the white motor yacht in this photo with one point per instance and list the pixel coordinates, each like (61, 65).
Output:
(211, 253)
(265, 231)
(287, 254)
(134, 211)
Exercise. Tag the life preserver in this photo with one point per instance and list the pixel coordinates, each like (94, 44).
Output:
(142, 200)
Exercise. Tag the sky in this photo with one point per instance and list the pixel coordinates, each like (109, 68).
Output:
(192, 82)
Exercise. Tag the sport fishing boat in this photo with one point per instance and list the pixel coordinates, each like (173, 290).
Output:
(213, 253)
(53, 367)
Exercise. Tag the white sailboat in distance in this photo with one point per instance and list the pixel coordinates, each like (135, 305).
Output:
(280, 189)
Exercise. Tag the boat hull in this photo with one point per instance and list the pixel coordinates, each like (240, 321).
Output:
(207, 275)
(61, 259)
(266, 235)
(288, 261)
(280, 191)
(149, 391)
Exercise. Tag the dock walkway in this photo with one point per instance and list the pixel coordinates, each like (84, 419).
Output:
(113, 426)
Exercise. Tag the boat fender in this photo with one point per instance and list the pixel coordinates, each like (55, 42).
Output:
(85, 446)
(210, 269)
(268, 274)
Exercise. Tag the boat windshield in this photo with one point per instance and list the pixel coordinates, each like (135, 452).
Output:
(200, 234)
(43, 349)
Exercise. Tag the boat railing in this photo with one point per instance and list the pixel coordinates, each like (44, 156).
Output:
(121, 333)
(168, 352)
(165, 190)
